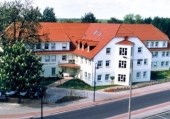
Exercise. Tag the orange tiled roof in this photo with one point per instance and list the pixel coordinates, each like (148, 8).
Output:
(125, 42)
(98, 34)
(142, 31)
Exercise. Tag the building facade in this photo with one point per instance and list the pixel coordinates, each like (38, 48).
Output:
(103, 53)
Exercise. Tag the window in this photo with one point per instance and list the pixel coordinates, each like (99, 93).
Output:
(123, 51)
(107, 63)
(121, 78)
(155, 54)
(167, 63)
(99, 77)
(152, 44)
(99, 64)
(139, 49)
(156, 44)
(145, 61)
(81, 59)
(52, 46)
(107, 77)
(138, 75)
(89, 76)
(53, 70)
(64, 46)
(47, 58)
(64, 58)
(107, 51)
(147, 44)
(53, 58)
(145, 74)
(85, 75)
(167, 54)
(164, 43)
(139, 62)
(162, 64)
(122, 64)
(38, 46)
(46, 46)
(154, 64)
(163, 54)
(86, 61)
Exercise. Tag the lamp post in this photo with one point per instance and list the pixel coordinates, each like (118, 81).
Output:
(94, 82)
(130, 87)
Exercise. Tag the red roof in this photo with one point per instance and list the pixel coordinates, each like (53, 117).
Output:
(98, 35)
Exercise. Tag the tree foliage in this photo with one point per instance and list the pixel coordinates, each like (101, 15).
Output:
(19, 67)
(22, 20)
(88, 18)
(48, 15)
(114, 20)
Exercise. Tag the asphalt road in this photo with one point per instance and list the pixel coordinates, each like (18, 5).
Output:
(114, 108)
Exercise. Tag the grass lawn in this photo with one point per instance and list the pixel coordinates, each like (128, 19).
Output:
(79, 84)
(160, 75)
(49, 80)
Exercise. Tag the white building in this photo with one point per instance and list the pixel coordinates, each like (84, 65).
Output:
(101, 51)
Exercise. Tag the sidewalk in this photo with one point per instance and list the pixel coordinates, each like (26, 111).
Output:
(19, 111)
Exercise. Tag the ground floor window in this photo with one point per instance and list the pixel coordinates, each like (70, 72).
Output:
(121, 77)
(99, 77)
(138, 75)
(53, 71)
(107, 77)
(145, 74)
(85, 75)
(89, 76)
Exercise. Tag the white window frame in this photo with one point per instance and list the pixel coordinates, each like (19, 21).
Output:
(108, 51)
(107, 77)
(155, 54)
(139, 50)
(167, 53)
(164, 43)
(53, 71)
(162, 64)
(121, 78)
(53, 58)
(100, 64)
(154, 64)
(145, 62)
(99, 77)
(64, 46)
(138, 75)
(47, 58)
(122, 64)
(152, 44)
(107, 63)
(145, 74)
(64, 57)
(123, 51)
(163, 54)
(85, 75)
(139, 62)
(89, 76)
(46, 46)
(156, 44)
(53, 45)
(38, 46)
(167, 63)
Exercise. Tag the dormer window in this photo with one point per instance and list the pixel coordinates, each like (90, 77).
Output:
(156, 44)
(64, 46)
(38, 46)
(46, 46)
(164, 43)
(52, 46)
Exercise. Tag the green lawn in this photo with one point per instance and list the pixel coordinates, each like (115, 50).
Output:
(79, 84)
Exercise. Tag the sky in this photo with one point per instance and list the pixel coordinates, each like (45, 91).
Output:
(105, 9)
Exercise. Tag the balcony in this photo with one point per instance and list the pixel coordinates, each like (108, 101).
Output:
(71, 61)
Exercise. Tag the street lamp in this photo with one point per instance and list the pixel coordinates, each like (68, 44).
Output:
(130, 89)
(94, 82)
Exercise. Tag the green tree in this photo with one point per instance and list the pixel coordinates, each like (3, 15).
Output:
(19, 67)
(48, 15)
(22, 20)
(133, 19)
(114, 20)
(88, 18)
